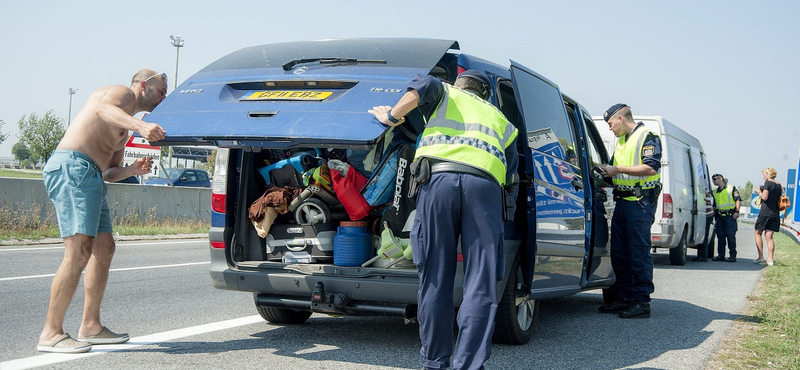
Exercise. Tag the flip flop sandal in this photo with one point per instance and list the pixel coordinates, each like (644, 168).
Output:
(64, 344)
(106, 337)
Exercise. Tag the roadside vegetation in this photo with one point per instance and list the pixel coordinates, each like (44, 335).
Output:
(17, 223)
(768, 335)
(28, 174)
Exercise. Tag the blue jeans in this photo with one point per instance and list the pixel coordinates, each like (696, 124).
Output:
(630, 248)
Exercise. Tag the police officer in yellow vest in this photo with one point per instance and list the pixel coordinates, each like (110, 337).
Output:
(726, 213)
(637, 184)
(469, 148)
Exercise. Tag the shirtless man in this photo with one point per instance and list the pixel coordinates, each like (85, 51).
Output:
(90, 152)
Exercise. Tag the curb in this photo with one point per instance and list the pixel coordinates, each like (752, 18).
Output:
(118, 238)
(787, 230)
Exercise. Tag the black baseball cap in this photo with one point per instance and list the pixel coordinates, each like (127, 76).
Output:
(614, 109)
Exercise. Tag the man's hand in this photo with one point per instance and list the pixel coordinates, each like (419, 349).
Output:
(142, 166)
(151, 131)
(610, 171)
(382, 114)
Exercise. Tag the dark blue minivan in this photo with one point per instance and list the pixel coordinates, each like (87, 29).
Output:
(277, 112)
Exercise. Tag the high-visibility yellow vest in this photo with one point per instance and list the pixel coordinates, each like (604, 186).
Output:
(724, 199)
(468, 130)
(628, 152)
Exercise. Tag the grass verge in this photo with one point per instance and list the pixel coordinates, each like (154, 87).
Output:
(28, 174)
(768, 337)
(17, 222)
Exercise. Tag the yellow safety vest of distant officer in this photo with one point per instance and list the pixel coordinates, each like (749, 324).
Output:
(726, 213)
(725, 202)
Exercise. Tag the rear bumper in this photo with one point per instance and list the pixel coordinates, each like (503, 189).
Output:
(355, 291)
(663, 236)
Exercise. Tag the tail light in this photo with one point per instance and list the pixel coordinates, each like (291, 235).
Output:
(219, 187)
(667, 206)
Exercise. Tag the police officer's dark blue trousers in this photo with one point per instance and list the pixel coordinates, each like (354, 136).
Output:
(726, 235)
(449, 205)
(630, 248)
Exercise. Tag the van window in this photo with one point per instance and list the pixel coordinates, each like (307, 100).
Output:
(406, 53)
(507, 102)
(595, 142)
(549, 130)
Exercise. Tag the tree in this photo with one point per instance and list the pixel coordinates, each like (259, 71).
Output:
(3, 136)
(210, 161)
(41, 135)
(21, 151)
(746, 191)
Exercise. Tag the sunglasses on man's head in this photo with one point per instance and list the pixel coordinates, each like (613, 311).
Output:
(162, 74)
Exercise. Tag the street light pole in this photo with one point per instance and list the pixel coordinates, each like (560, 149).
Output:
(69, 117)
(177, 42)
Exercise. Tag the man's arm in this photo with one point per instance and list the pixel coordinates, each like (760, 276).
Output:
(115, 173)
(114, 109)
(404, 106)
(424, 92)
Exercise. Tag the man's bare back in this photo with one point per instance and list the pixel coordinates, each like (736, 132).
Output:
(100, 130)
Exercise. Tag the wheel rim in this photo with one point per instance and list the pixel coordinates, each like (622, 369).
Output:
(525, 306)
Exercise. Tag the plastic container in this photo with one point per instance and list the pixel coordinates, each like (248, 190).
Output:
(352, 244)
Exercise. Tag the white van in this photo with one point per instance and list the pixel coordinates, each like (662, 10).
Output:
(680, 216)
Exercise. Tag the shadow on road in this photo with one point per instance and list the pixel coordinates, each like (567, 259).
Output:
(570, 334)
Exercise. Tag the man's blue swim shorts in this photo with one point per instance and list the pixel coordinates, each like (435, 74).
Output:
(76, 188)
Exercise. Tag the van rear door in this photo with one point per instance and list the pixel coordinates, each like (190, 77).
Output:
(295, 94)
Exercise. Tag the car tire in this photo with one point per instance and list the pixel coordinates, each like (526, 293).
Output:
(283, 316)
(516, 314)
(677, 255)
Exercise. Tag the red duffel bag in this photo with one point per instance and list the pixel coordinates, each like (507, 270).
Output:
(348, 190)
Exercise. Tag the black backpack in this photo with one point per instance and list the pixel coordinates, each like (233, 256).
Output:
(397, 212)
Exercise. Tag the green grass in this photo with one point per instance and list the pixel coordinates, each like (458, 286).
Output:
(769, 336)
(18, 173)
(171, 228)
(17, 222)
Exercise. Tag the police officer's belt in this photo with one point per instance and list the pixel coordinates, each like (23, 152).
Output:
(653, 192)
(443, 166)
(727, 212)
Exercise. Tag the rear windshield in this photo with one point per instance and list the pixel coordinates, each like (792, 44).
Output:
(406, 53)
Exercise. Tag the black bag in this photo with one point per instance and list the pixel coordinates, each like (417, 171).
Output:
(397, 211)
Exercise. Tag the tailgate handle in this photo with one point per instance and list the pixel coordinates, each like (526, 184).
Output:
(261, 114)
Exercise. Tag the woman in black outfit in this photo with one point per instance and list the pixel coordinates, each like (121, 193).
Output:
(768, 221)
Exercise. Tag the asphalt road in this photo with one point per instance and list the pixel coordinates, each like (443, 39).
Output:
(160, 293)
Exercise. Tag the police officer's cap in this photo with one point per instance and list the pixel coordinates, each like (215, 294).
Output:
(476, 74)
(714, 176)
(614, 109)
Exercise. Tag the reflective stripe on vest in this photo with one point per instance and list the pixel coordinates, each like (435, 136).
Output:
(724, 199)
(462, 130)
(628, 152)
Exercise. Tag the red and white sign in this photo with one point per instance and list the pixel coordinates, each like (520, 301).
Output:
(139, 147)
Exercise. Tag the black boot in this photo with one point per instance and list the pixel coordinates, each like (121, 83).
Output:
(639, 310)
(615, 307)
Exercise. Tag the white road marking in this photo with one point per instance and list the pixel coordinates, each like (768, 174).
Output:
(56, 358)
(118, 245)
(111, 270)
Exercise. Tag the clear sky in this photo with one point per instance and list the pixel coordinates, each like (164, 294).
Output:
(725, 71)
